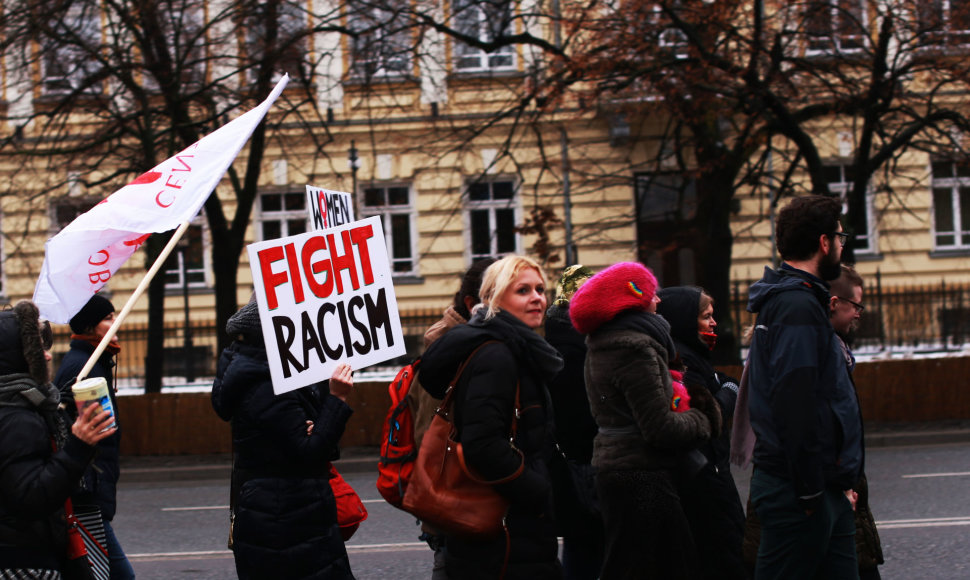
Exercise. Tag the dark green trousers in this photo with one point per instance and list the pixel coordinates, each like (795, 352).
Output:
(795, 545)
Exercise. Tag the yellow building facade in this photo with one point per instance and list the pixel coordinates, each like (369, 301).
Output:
(422, 145)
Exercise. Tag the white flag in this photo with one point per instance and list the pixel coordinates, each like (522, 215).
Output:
(83, 256)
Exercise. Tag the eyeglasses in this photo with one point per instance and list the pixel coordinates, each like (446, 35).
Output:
(859, 308)
(843, 238)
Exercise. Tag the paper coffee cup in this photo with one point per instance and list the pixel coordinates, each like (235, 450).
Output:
(93, 391)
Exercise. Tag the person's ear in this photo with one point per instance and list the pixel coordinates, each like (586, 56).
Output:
(470, 302)
(832, 300)
(825, 243)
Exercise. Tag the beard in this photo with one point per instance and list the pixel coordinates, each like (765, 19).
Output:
(830, 266)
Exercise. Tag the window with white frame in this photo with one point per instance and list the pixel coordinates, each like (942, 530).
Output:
(491, 211)
(486, 21)
(381, 47)
(183, 30)
(278, 28)
(281, 214)
(186, 265)
(395, 206)
(943, 22)
(665, 198)
(835, 25)
(69, 49)
(951, 204)
(66, 210)
(669, 38)
(840, 179)
(668, 238)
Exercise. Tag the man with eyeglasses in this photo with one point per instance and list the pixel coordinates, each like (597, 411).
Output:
(802, 404)
(846, 307)
(845, 312)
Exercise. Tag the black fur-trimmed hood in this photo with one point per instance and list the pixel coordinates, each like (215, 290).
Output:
(21, 346)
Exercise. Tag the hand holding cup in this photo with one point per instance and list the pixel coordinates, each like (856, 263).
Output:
(93, 424)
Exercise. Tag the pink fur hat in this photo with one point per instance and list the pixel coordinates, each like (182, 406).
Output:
(622, 286)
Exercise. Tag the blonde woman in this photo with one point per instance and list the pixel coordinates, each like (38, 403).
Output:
(513, 306)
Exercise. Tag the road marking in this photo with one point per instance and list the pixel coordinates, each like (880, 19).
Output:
(225, 507)
(179, 555)
(924, 523)
(398, 547)
(944, 474)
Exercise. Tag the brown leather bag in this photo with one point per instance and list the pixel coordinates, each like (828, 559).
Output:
(444, 492)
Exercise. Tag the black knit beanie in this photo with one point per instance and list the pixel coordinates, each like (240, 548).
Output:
(245, 322)
(96, 310)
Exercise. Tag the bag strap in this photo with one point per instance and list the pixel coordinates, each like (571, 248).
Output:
(460, 452)
(444, 409)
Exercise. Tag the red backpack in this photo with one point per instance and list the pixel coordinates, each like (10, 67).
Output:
(398, 450)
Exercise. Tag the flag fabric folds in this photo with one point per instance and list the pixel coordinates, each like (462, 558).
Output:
(82, 257)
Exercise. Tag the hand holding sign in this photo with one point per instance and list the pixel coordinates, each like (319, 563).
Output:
(342, 381)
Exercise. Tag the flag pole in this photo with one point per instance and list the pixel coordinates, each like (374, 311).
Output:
(131, 301)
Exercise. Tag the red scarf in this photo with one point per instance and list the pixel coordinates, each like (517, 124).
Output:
(709, 338)
(94, 340)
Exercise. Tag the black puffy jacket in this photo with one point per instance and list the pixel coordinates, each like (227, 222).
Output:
(285, 514)
(484, 408)
(34, 483)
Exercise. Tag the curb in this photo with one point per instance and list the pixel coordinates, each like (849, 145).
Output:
(219, 467)
(906, 438)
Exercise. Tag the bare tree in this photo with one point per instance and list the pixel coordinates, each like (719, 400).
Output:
(124, 85)
(749, 94)
(693, 102)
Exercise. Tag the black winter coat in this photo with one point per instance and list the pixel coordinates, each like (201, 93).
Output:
(99, 486)
(285, 514)
(35, 481)
(680, 307)
(802, 402)
(575, 427)
(484, 404)
(710, 498)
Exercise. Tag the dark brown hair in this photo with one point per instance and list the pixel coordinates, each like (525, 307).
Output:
(843, 285)
(471, 284)
(801, 223)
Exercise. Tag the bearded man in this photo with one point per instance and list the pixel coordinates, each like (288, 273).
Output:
(808, 449)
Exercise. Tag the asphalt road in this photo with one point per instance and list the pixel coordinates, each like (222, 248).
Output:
(177, 529)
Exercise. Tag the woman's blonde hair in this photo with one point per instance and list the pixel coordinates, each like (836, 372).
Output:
(499, 276)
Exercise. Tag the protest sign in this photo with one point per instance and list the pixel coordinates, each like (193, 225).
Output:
(328, 208)
(325, 297)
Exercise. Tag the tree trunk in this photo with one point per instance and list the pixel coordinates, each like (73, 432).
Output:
(225, 268)
(155, 347)
(714, 259)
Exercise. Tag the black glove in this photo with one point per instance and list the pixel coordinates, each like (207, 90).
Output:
(702, 400)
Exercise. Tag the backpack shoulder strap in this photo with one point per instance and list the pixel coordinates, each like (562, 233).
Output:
(401, 384)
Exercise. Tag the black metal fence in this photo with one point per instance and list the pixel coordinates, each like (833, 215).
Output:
(930, 317)
(193, 361)
(909, 318)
